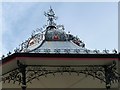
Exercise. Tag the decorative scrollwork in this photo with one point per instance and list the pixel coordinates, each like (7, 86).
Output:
(13, 76)
(105, 73)
(47, 50)
(106, 51)
(42, 70)
(57, 50)
(114, 51)
(77, 50)
(96, 51)
(67, 50)
(87, 51)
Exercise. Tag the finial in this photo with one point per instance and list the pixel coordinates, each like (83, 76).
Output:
(51, 17)
(50, 7)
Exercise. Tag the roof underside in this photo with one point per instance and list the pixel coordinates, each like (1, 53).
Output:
(10, 63)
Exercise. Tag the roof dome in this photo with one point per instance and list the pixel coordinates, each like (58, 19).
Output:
(52, 38)
(55, 34)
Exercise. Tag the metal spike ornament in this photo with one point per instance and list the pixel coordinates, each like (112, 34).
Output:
(51, 17)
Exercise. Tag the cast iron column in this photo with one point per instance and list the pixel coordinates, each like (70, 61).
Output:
(22, 69)
(109, 74)
(107, 77)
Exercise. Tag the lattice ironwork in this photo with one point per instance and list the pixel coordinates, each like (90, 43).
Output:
(13, 75)
(26, 73)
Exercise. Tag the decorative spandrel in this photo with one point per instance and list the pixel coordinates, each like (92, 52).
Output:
(105, 73)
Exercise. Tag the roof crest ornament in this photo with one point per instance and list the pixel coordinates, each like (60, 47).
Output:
(51, 17)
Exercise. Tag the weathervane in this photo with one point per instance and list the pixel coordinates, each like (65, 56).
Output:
(51, 17)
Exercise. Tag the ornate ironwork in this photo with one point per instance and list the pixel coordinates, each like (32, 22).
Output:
(46, 50)
(26, 73)
(51, 17)
(114, 51)
(96, 51)
(77, 50)
(106, 51)
(57, 50)
(13, 75)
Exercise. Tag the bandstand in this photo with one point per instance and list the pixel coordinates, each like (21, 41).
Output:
(53, 59)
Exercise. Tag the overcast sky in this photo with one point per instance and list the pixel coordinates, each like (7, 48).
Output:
(95, 23)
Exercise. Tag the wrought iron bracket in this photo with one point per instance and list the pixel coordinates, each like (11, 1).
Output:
(26, 73)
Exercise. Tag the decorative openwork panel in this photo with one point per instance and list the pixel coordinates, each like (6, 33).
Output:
(105, 73)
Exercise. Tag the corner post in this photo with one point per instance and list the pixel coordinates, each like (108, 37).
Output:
(109, 74)
(22, 69)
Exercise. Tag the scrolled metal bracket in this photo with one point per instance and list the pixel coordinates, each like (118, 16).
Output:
(26, 73)
(111, 74)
